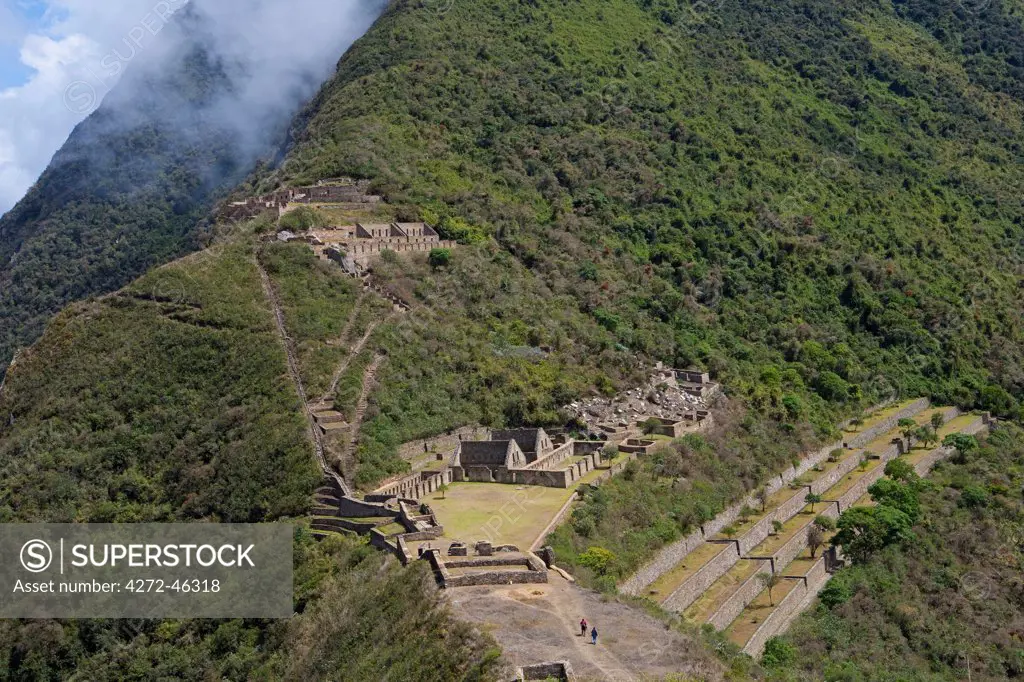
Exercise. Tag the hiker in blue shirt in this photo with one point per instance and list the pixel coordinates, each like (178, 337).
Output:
(593, 636)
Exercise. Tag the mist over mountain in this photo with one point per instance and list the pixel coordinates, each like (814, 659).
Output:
(192, 111)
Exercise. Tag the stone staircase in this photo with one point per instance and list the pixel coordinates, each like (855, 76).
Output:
(326, 509)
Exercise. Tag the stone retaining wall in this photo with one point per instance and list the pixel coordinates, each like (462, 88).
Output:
(552, 459)
(349, 506)
(792, 506)
(338, 525)
(867, 480)
(418, 485)
(790, 550)
(696, 584)
(548, 479)
(788, 608)
(443, 443)
(829, 479)
(734, 605)
(672, 554)
(381, 542)
(887, 424)
(561, 671)
(358, 250)
(533, 571)
(757, 533)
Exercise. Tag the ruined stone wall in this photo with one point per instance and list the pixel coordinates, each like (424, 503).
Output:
(734, 605)
(349, 506)
(479, 474)
(336, 525)
(532, 570)
(424, 535)
(443, 443)
(523, 577)
(672, 554)
(415, 486)
(551, 461)
(587, 447)
(487, 452)
(380, 541)
(696, 584)
(555, 670)
(360, 250)
(548, 479)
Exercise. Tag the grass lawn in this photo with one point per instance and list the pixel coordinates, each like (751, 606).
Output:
(503, 514)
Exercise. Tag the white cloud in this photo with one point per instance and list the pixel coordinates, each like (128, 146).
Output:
(67, 47)
(82, 46)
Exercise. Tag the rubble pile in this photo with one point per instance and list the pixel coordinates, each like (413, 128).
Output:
(662, 396)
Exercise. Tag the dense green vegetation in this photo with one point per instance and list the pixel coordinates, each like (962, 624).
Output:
(945, 605)
(169, 401)
(817, 201)
(317, 301)
(669, 494)
(820, 202)
(161, 402)
(130, 189)
(366, 619)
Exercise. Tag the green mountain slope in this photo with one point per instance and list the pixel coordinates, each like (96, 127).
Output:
(170, 401)
(946, 606)
(820, 203)
(125, 193)
(806, 197)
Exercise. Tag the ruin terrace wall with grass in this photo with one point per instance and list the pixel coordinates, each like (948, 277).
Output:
(706, 575)
(734, 605)
(788, 608)
(672, 554)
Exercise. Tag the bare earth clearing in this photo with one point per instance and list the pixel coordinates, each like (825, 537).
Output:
(541, 623)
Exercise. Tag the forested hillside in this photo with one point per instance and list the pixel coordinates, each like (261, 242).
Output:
(129, 190)
(212, 91)
(170, 401)
(819, 202)
(944, 606)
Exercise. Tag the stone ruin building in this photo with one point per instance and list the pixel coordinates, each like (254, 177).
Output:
(337, 191)
(525, 457)
(353, 246)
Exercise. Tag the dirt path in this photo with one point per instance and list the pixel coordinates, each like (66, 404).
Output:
(293, 370)
(355, 350)
(535, 623)
(369, 376)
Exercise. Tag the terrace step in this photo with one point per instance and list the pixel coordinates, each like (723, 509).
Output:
(671, 557)
(807, 575)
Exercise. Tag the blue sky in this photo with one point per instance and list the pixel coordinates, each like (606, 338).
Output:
(57, 61)
(45, 47)
(21, 17)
